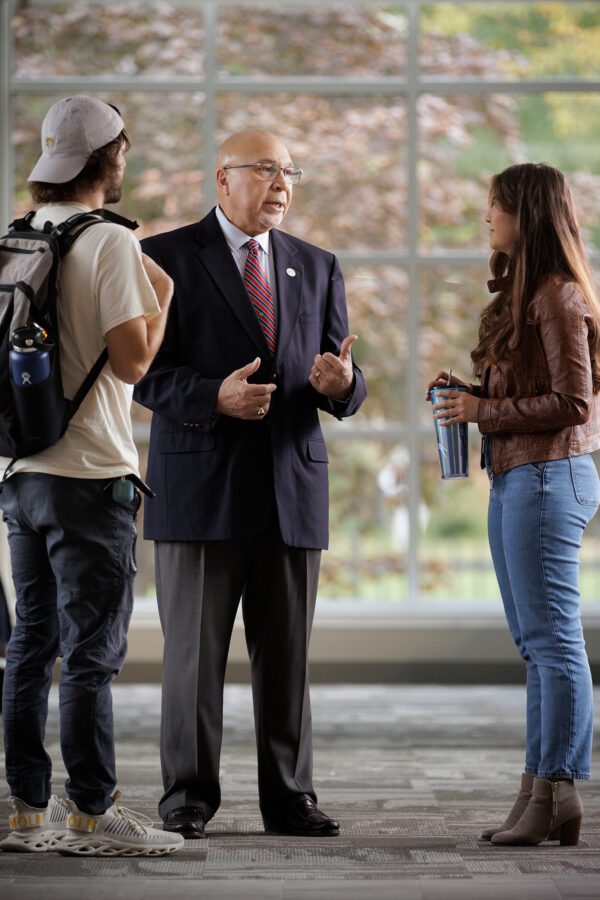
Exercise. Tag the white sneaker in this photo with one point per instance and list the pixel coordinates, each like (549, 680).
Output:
(35, 829)
(117, 832)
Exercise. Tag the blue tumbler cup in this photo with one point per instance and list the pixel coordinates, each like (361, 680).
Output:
(452, 440)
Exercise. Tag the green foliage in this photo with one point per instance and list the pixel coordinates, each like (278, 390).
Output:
(550, 38)
(457, 523)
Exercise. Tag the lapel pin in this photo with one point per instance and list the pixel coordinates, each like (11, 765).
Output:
(291, 272)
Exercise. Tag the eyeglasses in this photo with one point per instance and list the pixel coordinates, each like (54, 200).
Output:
(270, 171)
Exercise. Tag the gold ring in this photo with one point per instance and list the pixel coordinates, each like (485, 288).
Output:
(317, 374)
(260, 411)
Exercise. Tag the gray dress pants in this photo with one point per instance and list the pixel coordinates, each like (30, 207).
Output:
(199, 586)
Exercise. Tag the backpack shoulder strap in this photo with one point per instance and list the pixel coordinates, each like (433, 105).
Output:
(86, 385)
(69, 230)
(114, 217)
(23, 224)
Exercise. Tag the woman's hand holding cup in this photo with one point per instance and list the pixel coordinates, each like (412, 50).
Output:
(455, 406)
(441, 380)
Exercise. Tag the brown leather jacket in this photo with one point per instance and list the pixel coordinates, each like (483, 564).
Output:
(540, 403)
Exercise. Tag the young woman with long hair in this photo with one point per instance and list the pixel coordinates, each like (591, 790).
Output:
(538, 361)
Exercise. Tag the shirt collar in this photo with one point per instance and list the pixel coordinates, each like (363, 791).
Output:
(236, 239)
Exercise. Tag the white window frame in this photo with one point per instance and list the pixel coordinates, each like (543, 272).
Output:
(412, 258)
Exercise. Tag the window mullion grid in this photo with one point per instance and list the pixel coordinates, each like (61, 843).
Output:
(6, 151)
(209, 126)
(411, 87)
(413, 441)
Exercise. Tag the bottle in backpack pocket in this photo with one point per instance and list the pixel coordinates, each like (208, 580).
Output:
(36, 389)
(30, 359)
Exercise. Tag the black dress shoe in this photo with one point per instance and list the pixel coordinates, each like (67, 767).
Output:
(187, 821)
(302, 818)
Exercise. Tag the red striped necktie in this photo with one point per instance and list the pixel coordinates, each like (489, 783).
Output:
(259, 291)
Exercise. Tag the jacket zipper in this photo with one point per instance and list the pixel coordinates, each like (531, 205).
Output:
(486, 393)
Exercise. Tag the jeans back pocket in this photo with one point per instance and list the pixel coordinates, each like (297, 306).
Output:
(586, 483)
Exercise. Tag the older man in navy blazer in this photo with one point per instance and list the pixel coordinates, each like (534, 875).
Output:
(257, 342)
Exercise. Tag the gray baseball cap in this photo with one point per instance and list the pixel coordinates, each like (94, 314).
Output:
(72, 129)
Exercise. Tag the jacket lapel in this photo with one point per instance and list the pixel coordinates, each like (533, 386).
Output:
(288, 275)
(219, 263)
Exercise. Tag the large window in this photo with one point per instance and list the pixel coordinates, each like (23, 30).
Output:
(398, 113)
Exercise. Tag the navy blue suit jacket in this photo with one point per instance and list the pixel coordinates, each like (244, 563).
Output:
(216, 478)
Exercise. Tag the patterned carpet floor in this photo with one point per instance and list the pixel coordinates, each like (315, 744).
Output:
(413, 773)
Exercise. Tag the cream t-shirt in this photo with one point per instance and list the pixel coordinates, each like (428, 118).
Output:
(102, 284)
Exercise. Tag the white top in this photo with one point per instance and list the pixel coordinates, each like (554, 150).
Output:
(102, 284)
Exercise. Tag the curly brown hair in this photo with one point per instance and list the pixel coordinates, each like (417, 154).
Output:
(96, 171)
(548, 242)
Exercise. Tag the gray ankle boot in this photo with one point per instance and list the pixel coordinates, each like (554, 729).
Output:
(518, 809)
(554, 811)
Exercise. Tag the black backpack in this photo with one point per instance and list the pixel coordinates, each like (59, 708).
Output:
(33, 417)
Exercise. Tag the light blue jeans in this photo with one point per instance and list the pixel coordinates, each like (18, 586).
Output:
(537, 515)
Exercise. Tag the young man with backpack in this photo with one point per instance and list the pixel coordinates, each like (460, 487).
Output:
(70, 509)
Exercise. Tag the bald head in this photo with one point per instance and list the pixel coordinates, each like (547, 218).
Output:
(251, 203)
(245, 145)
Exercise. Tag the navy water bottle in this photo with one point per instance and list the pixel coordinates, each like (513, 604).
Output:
(30, 360)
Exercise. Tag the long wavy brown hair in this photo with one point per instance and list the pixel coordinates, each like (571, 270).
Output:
(548, 242)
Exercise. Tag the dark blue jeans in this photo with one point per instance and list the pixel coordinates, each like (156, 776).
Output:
(72, 551)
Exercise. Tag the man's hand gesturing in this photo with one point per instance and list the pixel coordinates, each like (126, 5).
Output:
(241, 400)
(332, 375)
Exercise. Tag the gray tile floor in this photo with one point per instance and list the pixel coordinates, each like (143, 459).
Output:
(413, 773)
